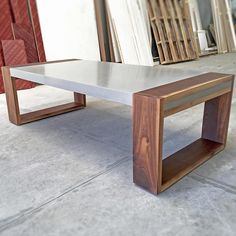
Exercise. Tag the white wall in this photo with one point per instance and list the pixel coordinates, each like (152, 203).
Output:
(69, 29)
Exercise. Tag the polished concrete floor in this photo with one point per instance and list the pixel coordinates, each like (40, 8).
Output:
(72, 174)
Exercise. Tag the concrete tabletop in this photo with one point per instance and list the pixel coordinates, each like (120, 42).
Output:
(110, 81)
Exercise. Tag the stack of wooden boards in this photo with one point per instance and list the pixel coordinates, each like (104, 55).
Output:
(132, 37)
(221, 29)
(134, 25)
(224, 31)
(130, 31)
(20, 36)
(172, 29)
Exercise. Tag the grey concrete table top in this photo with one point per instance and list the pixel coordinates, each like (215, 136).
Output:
(110, 81)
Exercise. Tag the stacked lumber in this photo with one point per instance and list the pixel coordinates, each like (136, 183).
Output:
(20, 36)
(172, 29)
(220, 34)
(204, 44)
(130, 31)
(223, 26)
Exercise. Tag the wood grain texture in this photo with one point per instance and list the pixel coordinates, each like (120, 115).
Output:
(216, 118)
(147, 142)
(33, 11)
(25, 33)
(173, 33)
(20, 12)
(14, 53)
(49, 112)
(150, 172)
(13, 105)
(80, 99)
(1, 78)
(5, 20)
(187, 159)
(11, 96)
(187, 85)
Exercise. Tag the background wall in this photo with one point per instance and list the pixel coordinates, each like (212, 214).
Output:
(62, 23)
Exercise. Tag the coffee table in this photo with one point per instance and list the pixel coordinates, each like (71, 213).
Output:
(154, 92)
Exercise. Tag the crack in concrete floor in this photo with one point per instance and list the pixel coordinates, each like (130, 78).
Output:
(24, 214)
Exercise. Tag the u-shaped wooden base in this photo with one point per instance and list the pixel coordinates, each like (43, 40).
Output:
(150, 107)
(13, 105)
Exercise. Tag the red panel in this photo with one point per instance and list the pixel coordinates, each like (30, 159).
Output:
(1, 81)
(5, 20)
(37, 30)
(25, 33)
(14, 54)
(20, 11)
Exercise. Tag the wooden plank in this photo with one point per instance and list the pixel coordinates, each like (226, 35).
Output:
(14, 53)
(13, 104)
(216, 118)
(26, 34)
(168, 32)
(20, 12)
(154, 14)
(101, 19)
(5, 21)
(148, 114)
(187, 159)
(218, 27)
(49, 112)
(185, 87)
(147, 142)
(33, 11)
(130, 32)
(1, 78)
(228, 25)
(179, 42)
(143, 45)
(11, 96)
(114, 44)
(182, 28)
(173, 33)
(189, 29)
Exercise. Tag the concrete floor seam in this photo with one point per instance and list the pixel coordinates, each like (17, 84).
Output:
(23, 217)
(215, 183)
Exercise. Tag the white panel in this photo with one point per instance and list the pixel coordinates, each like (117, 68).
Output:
(130, 30)
(69, 29)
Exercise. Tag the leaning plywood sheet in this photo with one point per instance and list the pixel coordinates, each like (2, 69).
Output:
(14, 53)
(130, 32)
(20, 11)
(34, 17)
(115, 46)
(172, 29)
(223, 25)
(5, 20)
(69, 29)
(25, 32)
(218, 27)
(1, 79)
(228, 25)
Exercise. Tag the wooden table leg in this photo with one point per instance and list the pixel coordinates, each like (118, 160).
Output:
(150, 107)
(147, 137)
(13, 105)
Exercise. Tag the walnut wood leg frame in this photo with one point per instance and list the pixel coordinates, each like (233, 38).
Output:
(13, 105)
(150, 107)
